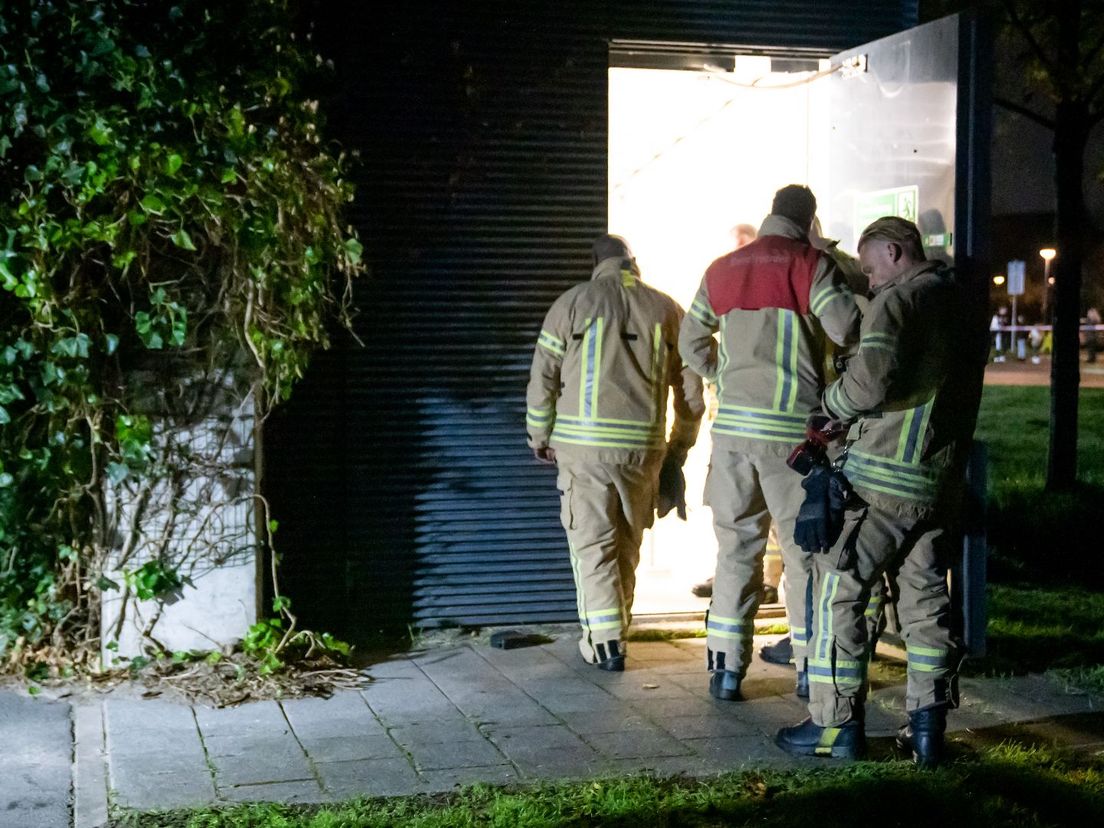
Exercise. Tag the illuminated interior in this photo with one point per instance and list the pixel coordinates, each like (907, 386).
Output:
(692, 154)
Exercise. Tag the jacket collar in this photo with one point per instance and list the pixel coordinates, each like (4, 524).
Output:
(613, 267)
(913, 272)
(776, 225)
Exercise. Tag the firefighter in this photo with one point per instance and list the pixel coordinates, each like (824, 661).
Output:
(597, 408)
(901, 462)
(775, 304)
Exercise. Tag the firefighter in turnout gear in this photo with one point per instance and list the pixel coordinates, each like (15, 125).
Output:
(903, 463)
(773, 306)
(597, 407)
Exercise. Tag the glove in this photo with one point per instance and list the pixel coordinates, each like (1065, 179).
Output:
(820, 518)
(811, 529)
(672, 488)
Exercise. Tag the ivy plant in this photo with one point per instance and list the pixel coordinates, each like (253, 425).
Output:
(168, 210)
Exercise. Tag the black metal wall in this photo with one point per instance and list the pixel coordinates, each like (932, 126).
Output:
(399, 471)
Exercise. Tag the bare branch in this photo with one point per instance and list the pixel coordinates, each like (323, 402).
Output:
(1024, 29)
(1020, 109)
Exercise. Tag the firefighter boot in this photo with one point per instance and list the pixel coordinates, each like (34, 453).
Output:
(801, 690)
(780, 652)
(725, 685)
(923, 736)
(847, 741)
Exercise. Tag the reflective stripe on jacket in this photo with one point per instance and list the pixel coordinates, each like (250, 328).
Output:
(902, 444)
(775, 303)
(604, 360)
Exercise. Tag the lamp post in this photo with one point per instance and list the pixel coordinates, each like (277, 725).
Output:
(1048, 253)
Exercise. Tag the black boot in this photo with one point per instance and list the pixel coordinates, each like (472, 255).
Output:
(725, 685)
(807, 739)
(801, 689)
(781, 652)
(923, 736)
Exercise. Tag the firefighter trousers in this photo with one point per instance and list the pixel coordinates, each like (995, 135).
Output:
(745, 493)
(605, 508)
(913, 551)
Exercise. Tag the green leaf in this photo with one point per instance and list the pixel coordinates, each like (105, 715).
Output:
(152, 203)
(6, 480)
(103, 583)
(181, 239)
(111, 343)
(117, 472)
(273, 525)
(100, 132)
(173, 163)
(5, 417)
(354, 249)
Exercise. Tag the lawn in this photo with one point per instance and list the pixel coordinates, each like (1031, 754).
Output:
(1034, 535)
(1002, 785)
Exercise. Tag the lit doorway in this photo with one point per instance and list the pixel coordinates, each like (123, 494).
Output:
(691, 155)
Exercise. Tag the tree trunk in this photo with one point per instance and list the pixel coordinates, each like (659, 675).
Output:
(1070, 138)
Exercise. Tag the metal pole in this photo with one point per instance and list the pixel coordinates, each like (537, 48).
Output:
(1046, 290)
(1012, 333)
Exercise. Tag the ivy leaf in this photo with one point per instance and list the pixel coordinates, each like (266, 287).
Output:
(117, 472)
(173, 163)
(111, 343)
(181, 239)
(354, 250)
(100, 132)
(6, 480)
(5, 417)
(152, 203)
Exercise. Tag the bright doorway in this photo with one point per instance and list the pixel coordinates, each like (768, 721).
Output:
(692, 154)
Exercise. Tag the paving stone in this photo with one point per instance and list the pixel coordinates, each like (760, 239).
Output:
(89, 767)
(711, 725)
(606, 721)
(281, 763)
(137, 717)
(256, 717)
(409, 700)
(124, 766)
(593, 701)
(644, 684)
(537, 747)
(155, 791)
(661, 708)
(502, 708)
(304, 792)
(548, 690)
(349, 748)
(456, 754)
(369, 777)
(430, 733)
(662, 766)
(658, 651)
(440, 781)
(636, 743)
(398, 667)
(245, 744)
(344, 714)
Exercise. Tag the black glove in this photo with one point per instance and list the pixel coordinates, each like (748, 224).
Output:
(672, 487)
(820, 518)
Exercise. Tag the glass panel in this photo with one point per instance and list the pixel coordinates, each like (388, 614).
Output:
(893, 136)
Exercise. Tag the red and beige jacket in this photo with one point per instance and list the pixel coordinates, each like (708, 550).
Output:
(759, 328)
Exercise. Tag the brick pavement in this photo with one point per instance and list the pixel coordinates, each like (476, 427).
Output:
(453, 715)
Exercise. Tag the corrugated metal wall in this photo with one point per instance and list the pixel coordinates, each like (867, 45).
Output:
(399, 472)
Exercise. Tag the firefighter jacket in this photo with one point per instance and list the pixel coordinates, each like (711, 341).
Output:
(907, 421)
(605, 357)
(775, 303)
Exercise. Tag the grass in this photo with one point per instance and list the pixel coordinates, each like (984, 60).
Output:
(1003, 785)
(1034, 535)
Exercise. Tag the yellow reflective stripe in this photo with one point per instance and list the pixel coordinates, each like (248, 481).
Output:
(584, 375)
(876, 346)
(826, 296)
(902, 438)
(597, 368)
(791, 428)
(722, 356)
(720, 619)
(927, 651)
(659, 384)
(551, 343)
(701, 311)
(628, 279)
(599, 442)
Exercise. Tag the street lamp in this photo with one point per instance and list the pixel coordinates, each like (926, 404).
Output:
(1047, 253)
